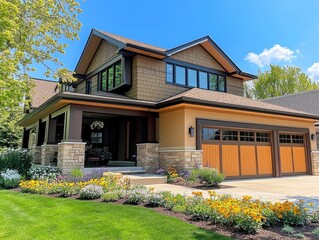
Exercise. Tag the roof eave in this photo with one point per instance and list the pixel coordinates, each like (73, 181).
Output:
(232, 106)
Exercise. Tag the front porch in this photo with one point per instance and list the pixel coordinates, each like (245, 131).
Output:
(79, 136)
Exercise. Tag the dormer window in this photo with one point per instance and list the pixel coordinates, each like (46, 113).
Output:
(111, 77)
(192, 77)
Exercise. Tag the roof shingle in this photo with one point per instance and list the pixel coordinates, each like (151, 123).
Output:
(41, 91)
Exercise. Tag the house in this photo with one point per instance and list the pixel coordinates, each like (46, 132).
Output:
(182, 107)
(302, 101)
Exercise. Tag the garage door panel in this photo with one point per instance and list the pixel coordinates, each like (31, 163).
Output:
(211, 155)
(286, 160)
(299, 159)
(264, 157)
(230, 161)
(248, 160)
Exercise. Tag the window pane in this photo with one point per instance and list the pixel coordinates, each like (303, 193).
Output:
(103, 80)
(180, 75)
(118, 74)
(210, 134)
(169, 73)
(203, 80)
(221, 80)
(284, 138)
(262, 137)
(192, 77)
(297, 139)
(110, 76)
(213, 82)
(247, 136)
(229, 135)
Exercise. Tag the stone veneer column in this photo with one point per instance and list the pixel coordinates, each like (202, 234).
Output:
(71, 155)
(180, 159)
(315, 162)
(147, 156)
(36, 154)
(47, 153)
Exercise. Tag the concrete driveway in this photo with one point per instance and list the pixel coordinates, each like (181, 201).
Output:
(267, 189)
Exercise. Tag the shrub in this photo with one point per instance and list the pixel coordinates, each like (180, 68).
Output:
(95, 174)
(15, 159)
(299, 235)
(316, 232)
(113, 196)
(76, 173)
(91, 192)
(44, 173)
(137, 194)
(205, 175)
(288, 230)
(156, 199)
(10, 178)
(176, 203)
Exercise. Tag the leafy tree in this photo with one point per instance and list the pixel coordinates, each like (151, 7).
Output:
(279, 81)
(32, 31)
(10, 133)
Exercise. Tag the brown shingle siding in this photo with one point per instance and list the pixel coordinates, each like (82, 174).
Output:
(199, 56)
(235, 86)
(104, 53)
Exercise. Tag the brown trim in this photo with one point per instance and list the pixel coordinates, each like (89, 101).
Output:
(276, 154)
(308, 154)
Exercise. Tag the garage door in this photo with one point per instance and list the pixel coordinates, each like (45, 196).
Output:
(292, 154)
(237, 153)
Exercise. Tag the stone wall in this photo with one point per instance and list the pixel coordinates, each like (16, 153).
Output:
(48, 154)
(147, 156)
(71, 155)
(315, 162)
(36, 154)
(180, 159)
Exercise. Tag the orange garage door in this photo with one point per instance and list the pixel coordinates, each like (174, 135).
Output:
(292, 154)
(237, 153)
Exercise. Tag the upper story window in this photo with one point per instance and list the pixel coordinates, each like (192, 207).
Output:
(191, 77)
(111, 77)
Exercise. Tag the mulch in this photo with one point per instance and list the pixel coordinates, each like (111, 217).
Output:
(263, 234)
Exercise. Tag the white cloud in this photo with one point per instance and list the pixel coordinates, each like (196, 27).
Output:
(313, 71)
(275, 54)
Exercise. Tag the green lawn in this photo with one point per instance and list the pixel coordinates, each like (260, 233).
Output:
(26, 216)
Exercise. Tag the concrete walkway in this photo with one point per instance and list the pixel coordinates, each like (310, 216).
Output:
(268, 189)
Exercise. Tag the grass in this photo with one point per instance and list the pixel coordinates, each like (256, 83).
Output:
(27, 216)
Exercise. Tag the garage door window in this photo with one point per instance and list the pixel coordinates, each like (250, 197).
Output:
(247, 136)
(284, 138)
(262, 137)
(229, 135)
(298, 139)
(210, 134)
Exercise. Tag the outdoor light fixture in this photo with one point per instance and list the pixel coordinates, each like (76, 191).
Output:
(191, 131)
(312, 136)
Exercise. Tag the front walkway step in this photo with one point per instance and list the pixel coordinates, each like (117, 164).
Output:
(146, 179)
(123, 170)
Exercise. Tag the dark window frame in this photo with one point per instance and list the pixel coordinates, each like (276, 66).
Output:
(88, 86)
(106, 70)
(218, 75)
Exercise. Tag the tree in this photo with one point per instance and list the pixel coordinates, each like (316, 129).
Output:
(279, 81)
(32, 31)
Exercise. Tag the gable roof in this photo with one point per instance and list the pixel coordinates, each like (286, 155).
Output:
(122, 43)
(303, 101)
(226, 100)
(41, 91)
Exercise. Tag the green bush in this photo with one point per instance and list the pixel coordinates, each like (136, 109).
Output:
(316, 232)
(76, 173)
(113, 196)
(16, 159)
(288, 230)
(10, 179)
(210, 176)
(44, 173)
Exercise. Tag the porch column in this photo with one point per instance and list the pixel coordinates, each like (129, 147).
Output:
(50, 131)
(49, 149)
(151, 128)
(71, 151)
(147, 156)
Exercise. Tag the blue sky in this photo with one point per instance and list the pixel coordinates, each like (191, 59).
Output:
(252, 33)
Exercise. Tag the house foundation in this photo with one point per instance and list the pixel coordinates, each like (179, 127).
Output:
(49, 154)
(315, 162)
(180, 159)
(147, 156)
(71, 155)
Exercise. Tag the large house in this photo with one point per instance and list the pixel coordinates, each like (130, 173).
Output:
(182, 107)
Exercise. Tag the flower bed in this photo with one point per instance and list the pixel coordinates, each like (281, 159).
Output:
(245, 214)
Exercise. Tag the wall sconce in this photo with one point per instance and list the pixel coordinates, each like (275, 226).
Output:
(191, 131)
(312, 136)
